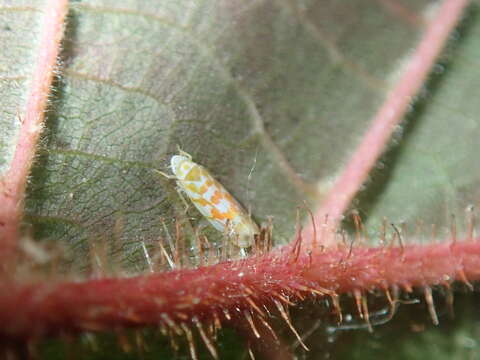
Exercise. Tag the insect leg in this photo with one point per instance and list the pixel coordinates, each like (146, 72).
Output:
(170, 177)
(180, 192)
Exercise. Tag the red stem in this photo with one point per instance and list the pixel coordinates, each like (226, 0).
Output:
(388, 117)
(180, 296)
(13, 183)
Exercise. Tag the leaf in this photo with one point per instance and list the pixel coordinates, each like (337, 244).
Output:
(138, 81)
(431, 175)
(16, 66)
(246, 88)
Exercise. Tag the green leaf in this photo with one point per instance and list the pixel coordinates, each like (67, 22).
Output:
(18, 39)
(431, 173)
(140, 80)
(241, 86)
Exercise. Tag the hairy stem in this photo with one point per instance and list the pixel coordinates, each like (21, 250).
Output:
(13, 183)
(175, 298)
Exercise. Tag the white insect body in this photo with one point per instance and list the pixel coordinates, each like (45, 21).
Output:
(213, 200)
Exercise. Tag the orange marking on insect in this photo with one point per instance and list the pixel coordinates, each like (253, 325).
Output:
(192, 187)
(213, 200)
(217, 196)
(193, 174)
(232, 201)
(220, 216)
(201, 201)
(203, 189)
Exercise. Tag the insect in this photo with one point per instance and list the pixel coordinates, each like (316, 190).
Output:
(212, 200)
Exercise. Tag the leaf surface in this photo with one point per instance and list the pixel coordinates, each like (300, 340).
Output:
(266, 95)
